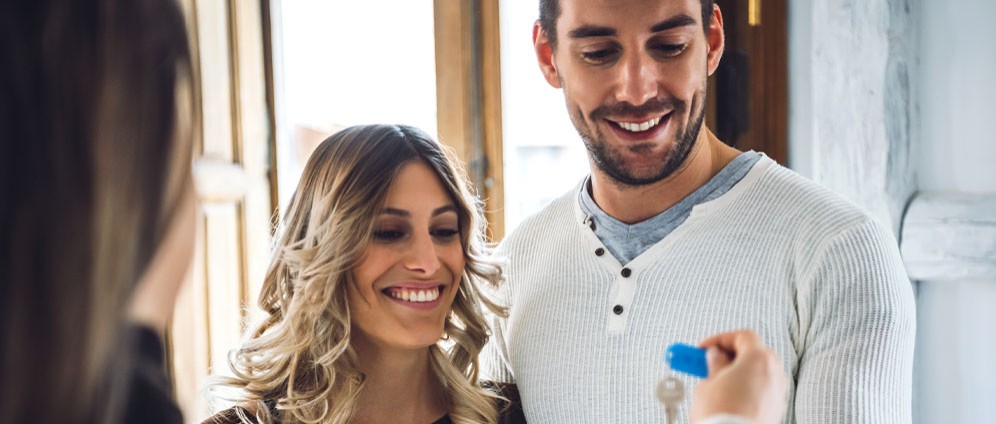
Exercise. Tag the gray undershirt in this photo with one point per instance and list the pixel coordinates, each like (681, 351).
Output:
(626, 241)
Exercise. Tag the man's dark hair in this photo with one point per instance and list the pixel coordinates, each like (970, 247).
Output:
(550, 12)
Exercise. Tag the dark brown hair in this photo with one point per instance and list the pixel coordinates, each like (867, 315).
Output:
(549, 12)
(88, 173)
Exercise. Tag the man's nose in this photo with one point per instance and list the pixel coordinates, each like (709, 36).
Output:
(637, 80)
(422, 256)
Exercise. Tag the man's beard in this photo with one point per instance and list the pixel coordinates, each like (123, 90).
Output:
(610, 160)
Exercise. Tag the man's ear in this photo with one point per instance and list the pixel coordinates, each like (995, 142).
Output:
(715, 39)
(544, 55)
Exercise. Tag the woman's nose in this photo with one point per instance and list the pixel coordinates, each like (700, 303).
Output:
(422, 256)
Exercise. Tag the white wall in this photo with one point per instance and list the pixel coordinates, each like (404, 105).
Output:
(958, 84)
(800, 109)
(852, 100)
(957, 322)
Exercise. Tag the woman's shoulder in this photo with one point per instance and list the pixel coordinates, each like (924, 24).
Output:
(232, 415)
(510, 411)
(228, 416)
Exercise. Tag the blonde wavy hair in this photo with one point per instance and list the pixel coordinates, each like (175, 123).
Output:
(299, 360)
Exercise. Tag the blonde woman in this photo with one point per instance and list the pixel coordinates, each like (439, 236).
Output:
(375, 314)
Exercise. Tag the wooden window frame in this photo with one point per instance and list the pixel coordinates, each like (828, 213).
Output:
(468, 96)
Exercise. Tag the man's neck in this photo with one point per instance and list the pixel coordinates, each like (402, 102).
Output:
(399, 386)
(635, 204)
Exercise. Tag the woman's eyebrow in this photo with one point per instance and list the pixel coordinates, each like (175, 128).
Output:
(396, 212)
(403, 213)
(444, 209)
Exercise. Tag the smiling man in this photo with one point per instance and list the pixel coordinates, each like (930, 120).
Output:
(675, 236)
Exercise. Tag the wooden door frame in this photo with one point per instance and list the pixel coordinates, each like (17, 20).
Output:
(767, 73)
(235, 180)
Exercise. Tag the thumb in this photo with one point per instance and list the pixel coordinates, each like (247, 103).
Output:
(716, 359)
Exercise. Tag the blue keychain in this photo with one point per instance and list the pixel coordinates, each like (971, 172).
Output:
(687, 359)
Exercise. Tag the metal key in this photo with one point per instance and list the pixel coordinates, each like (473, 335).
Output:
(670, 391)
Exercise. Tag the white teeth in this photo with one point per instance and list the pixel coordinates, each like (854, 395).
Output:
(409, 295)
(639, 127)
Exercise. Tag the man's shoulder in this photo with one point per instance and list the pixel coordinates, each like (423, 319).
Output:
(792, 197)
(811, 215)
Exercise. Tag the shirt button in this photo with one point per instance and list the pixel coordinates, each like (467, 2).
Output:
(618, 309)
(599, 251)
(592, 226)
(626, 272)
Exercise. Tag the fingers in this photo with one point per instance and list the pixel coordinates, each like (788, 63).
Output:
(746, 379)
(734, 342)
(717, 359)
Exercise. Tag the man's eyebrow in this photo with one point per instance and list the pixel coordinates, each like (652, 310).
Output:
(673, 22)
(586, 31)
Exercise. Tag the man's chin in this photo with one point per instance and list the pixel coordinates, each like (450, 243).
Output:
(635, 178)
(634, 168)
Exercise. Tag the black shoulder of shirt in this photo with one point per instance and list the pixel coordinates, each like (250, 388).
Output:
(228, 416)
(509, 412)
(150, 397)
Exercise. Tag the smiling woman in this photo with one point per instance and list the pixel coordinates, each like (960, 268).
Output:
(410, 272)
(378, 260)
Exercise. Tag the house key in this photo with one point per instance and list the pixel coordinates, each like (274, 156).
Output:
(670, 391)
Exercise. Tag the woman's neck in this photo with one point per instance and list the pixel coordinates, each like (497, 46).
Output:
(399, 387)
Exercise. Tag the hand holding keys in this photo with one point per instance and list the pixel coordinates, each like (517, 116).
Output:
(671, 391)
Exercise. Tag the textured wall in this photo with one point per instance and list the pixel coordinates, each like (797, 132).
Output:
(957, 305)
(863, 61)
(958, 86)
(860, 71)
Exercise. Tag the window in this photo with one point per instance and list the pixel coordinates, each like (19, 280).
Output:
(338, 64)
(543, 155)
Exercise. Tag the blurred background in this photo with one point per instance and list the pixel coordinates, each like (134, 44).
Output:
(888, 102)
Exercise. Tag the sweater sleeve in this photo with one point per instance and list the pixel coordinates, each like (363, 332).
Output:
(725, 419)
(494, 358)
(857, 327)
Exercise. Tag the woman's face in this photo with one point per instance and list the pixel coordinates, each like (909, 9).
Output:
(411, 270)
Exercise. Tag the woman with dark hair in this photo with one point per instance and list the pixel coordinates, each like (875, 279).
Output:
(95, 197)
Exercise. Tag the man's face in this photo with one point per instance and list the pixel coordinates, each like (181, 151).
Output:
(634, 76)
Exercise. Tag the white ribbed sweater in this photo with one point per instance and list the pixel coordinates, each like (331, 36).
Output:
(821, 282)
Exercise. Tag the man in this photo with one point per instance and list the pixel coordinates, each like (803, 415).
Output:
(676, 236)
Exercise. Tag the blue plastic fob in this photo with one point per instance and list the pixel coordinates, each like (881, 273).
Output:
(687, 359)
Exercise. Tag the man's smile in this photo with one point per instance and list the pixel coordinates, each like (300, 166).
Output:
(640, 129)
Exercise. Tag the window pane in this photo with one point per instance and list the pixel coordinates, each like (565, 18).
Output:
(340, 63)
(544, 157)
